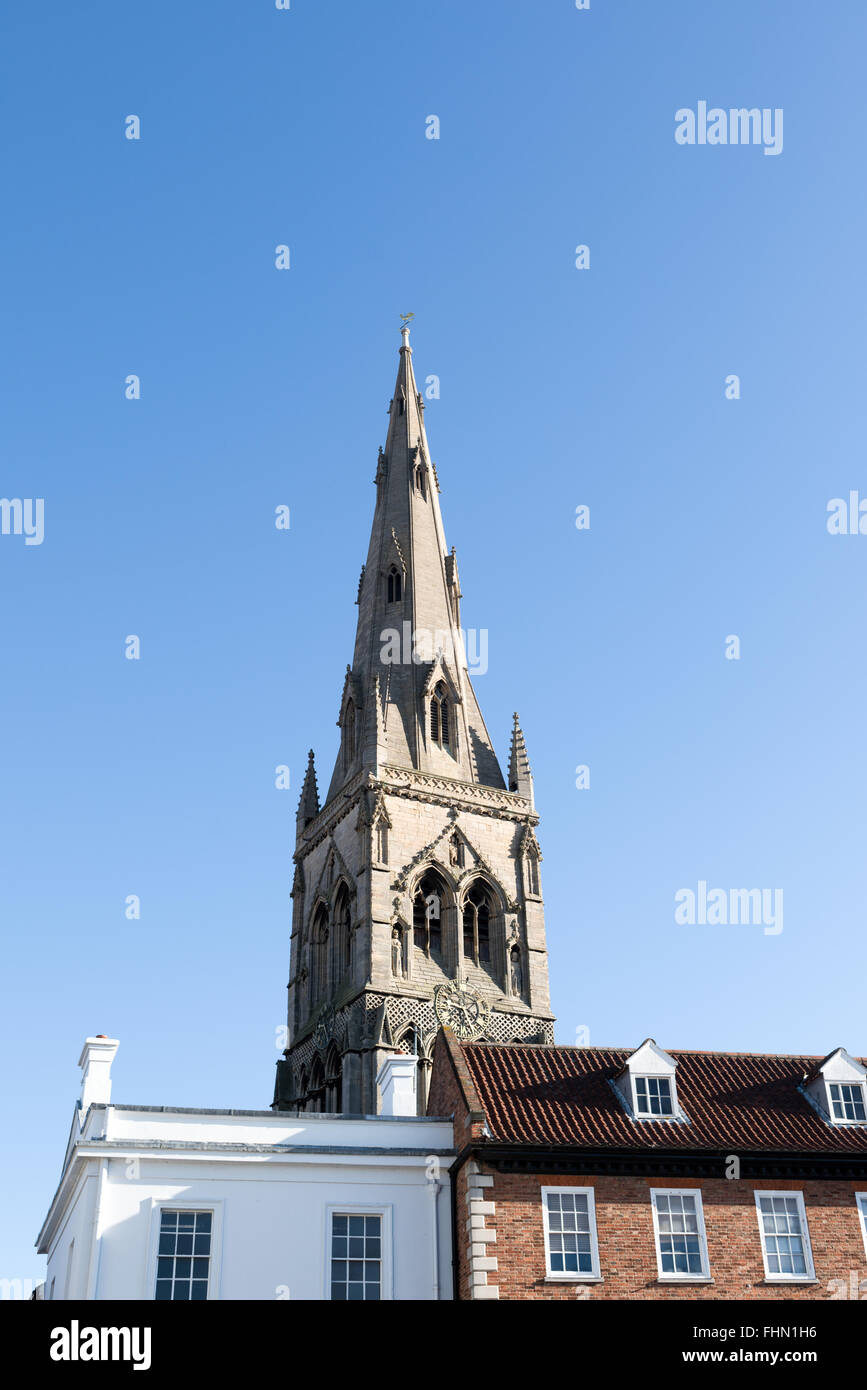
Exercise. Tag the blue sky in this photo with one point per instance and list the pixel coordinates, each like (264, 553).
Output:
(559, 387)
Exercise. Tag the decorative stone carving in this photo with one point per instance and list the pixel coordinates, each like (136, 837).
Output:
(516, 973)
(396, 954)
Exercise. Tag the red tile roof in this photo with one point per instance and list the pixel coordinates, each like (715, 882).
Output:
(734, 1101)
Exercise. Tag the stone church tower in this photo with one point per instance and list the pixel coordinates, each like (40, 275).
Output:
(417, 896)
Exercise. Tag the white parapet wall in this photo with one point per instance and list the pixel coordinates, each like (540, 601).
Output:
(272, 1184)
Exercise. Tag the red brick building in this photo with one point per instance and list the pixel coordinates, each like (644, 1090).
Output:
(596, 1173)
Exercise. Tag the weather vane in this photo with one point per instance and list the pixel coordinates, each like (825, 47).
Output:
(407, 319)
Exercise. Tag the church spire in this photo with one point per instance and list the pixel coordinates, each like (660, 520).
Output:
(520, 776)
(409, 633)
(417, 881)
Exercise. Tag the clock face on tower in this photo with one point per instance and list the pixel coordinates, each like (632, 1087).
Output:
(462, 1010)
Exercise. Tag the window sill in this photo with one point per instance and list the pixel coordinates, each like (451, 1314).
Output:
(790, 1279)
(574, 1279)
(685, 1279)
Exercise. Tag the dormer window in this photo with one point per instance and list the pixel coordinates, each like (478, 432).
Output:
(647, 1085)
(653, 1096)
(394, 585)
(419, 480)
(439, 716)
(837, 1088)
(847, 1102)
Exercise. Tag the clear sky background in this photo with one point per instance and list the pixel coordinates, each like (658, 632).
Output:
(559, 387)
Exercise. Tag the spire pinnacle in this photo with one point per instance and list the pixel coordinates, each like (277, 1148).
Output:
(520, 776)
(308, 806)
(376, 741)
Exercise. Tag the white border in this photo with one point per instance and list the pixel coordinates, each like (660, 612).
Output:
(687, 1277)
(355, 1209)
(567, 1275)
(810, 1276)
(215, 1207)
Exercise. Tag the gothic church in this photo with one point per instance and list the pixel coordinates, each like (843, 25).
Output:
(417, 895)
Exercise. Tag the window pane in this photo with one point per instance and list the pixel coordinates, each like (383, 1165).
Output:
(567, 1221)
(782, 1234)
(356, 1246)
(175, 1265)
(678, 1233)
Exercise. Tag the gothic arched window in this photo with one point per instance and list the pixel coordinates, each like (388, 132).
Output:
(342, 933)
(317, 1087)
(477, 925)
(427, 911)
(394, 585)
(333, 1081)
(439, 716)
(320, 954)
(419, 480)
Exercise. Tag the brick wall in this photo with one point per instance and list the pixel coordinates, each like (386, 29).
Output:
(627, 1251)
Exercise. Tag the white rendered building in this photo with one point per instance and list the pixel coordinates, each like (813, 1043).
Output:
(162, 1203)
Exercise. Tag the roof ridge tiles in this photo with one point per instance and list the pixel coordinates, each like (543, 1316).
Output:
(675, 1051)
